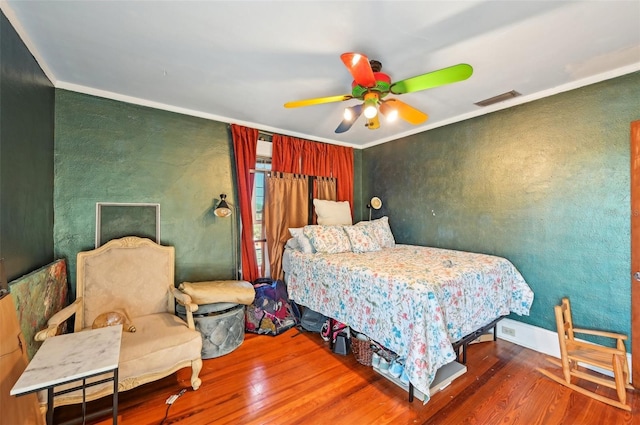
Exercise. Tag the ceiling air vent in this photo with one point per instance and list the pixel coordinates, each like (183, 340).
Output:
(499, 98)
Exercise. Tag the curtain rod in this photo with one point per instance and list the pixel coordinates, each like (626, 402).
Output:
(266, 133)
(268, 173)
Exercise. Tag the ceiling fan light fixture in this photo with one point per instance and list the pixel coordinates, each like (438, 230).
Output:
(371, 86)
(390, 112)
(370, 105)
(370, 111)
(373, 123)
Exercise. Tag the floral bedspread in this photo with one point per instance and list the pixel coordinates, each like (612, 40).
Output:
(413, 300)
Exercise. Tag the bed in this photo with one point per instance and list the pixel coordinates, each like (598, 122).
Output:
(413, 300)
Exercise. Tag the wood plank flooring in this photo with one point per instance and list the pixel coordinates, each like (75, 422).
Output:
(295, 379)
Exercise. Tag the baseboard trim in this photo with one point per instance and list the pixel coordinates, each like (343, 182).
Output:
(538, 339)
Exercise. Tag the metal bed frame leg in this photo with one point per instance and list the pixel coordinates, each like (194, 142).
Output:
(115, 397)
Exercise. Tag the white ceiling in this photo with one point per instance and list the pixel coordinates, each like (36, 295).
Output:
(240, 61)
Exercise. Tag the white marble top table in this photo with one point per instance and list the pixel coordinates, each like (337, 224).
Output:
(71, 357)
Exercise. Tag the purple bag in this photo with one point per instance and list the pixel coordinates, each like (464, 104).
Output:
(271, 312)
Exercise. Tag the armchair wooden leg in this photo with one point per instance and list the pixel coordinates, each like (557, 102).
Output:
(196, 367)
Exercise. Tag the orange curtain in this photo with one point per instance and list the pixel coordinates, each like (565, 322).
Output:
(285, 206)
(245, 142)
(287, 158)
(342, 162)
(293, 155)
(325, 188)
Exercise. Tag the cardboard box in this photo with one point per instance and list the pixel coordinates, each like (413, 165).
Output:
(483, 338)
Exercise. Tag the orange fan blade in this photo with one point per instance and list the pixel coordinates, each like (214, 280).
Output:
(406, 112)
(317, 101)
(358, 65)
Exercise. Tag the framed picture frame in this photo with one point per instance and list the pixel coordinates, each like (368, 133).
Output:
(116, 220)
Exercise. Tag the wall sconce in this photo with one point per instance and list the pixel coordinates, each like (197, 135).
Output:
(224, 210)
(375, 204)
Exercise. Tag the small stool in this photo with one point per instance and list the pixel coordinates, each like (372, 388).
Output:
(220, 315)
(221, 326)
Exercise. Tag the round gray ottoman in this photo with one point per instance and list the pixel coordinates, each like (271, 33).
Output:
(221, 326)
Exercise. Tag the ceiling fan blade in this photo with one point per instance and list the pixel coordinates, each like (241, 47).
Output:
(433, 79)
(347, 123)
(317, 101)
(359, 67)
(406, 112)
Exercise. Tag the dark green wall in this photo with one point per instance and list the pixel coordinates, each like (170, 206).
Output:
(544, 184)
(110, 151)
(26, 157)
(359, 203)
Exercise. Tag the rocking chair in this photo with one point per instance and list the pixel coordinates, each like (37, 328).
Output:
(573, 352)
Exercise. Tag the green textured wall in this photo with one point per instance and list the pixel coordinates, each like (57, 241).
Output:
(544, 184)
(359, 204)
(26, 157)
(110, 151)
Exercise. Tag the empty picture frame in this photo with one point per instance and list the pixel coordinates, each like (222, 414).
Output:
(117, 220)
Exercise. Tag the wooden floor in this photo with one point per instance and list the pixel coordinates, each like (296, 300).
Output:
(294, 379)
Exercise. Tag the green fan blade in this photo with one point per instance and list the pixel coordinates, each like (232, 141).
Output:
(433, 79)
(317, 101)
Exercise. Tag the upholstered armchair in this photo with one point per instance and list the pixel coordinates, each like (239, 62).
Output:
(134, 277)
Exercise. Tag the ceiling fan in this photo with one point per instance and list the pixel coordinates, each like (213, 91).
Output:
(371, 85)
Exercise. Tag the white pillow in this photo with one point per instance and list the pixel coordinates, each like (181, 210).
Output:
(332, 212)
(293, 244)
(303, 242)
(381, 231)
(328, 239)
(362, 239)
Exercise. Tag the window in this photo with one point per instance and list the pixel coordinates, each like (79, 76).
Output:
(263, 166)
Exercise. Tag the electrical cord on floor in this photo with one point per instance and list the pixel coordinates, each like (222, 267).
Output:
(170, 402)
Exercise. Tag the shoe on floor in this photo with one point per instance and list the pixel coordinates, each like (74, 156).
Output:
(396, 369)
(375, 360)
(404, 378)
